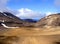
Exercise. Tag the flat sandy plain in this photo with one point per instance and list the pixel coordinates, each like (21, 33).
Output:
(28, 35)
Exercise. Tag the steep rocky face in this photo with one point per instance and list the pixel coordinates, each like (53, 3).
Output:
(51, 20)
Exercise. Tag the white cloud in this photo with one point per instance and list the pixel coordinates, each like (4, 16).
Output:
(48, 13)
(28, 13)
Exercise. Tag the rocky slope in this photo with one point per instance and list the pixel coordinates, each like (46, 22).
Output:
(52, 20)
(8, 20)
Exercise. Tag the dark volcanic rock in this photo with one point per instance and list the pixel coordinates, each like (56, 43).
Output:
(51, 20)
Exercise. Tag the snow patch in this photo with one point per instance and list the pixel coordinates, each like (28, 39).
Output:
(7, 26)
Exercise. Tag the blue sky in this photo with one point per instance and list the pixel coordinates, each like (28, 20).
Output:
(37, 5)
(32, 9)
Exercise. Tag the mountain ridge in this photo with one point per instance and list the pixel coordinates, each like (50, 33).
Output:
(8, 20)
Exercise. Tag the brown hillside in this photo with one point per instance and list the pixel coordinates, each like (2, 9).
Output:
(52, 20)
